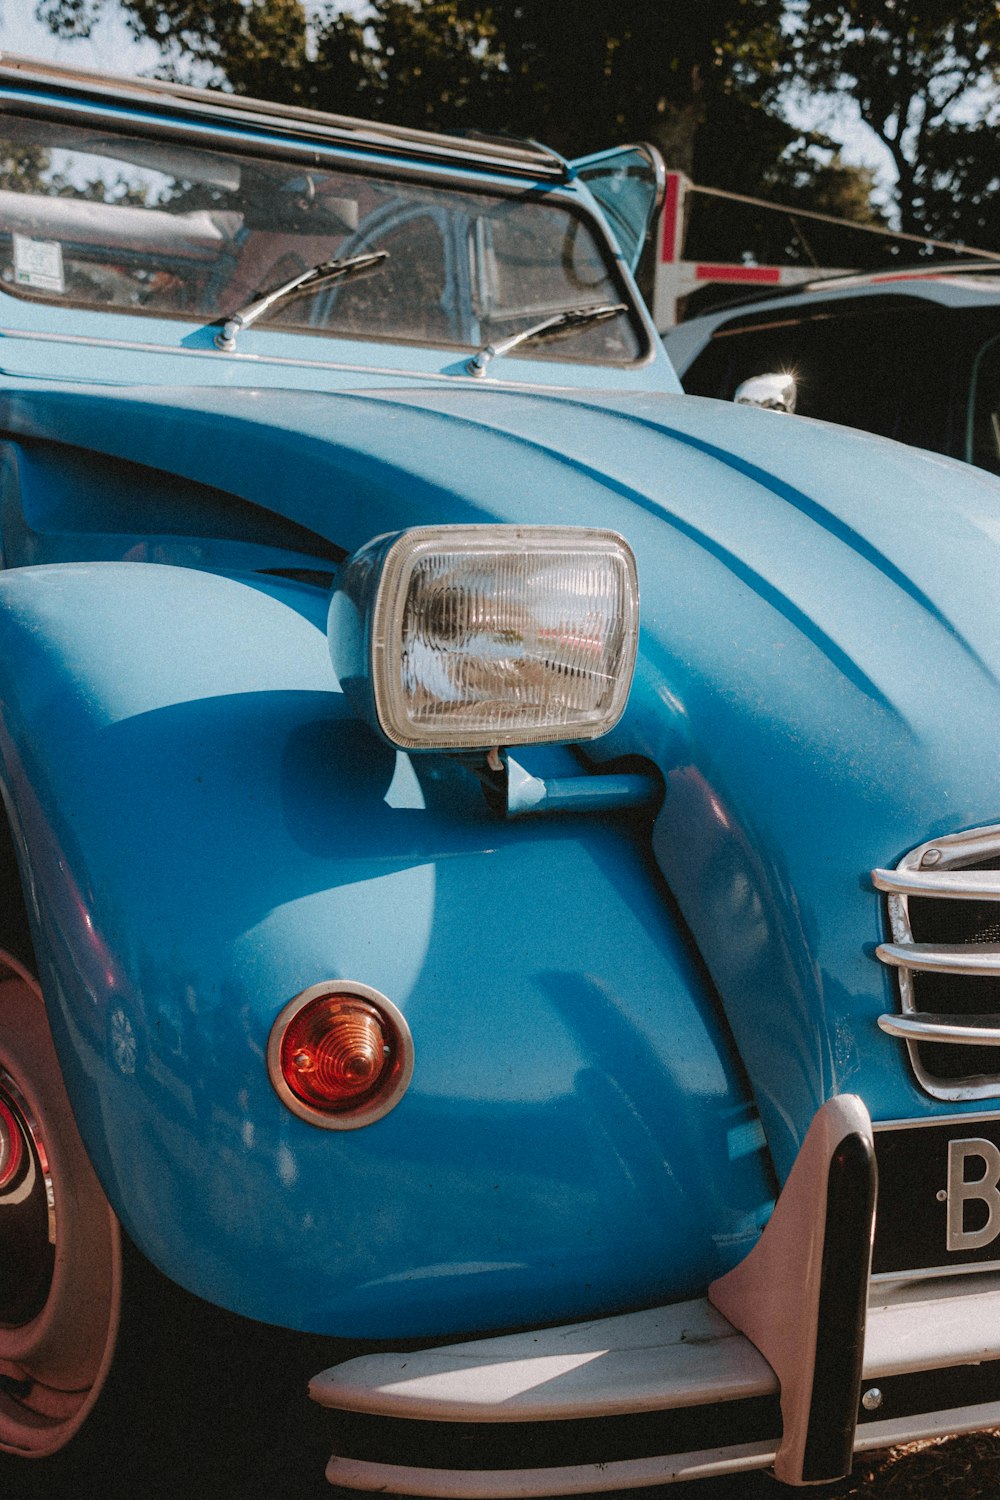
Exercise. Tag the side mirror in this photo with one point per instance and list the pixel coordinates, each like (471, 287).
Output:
(773, 392)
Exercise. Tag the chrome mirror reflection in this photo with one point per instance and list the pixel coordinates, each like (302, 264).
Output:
(773, 392)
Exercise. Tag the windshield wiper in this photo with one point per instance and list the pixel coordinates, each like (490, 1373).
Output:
(306, 281)
(570, 317)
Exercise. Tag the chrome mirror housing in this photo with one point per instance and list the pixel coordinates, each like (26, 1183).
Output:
(773, 392)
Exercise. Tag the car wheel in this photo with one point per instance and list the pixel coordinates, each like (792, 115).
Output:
(60, 1244)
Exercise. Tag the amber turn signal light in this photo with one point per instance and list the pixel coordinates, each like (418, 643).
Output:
(340, 1055)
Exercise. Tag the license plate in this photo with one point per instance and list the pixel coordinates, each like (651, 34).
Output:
(938, 1196)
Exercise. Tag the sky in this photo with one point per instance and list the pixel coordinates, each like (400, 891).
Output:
(110, 50)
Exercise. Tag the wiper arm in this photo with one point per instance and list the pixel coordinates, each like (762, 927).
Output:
(327, 270)
(570, 317)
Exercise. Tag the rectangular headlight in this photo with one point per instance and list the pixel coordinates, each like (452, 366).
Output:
(502, 635)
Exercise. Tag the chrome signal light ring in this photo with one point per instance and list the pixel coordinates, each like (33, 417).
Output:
(340, 1055)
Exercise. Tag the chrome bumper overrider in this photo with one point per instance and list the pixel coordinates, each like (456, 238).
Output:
(678, 1392)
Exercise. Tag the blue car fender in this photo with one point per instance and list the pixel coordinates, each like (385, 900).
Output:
(205, 833)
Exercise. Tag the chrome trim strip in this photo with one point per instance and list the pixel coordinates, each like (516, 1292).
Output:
(953, 850)
(958, 885)
(925, 1273)
(895, 1431)
(240, 356)
(974, 959)
(660, 168)
(920, 1122)
(971, 1031)
(622, 1476)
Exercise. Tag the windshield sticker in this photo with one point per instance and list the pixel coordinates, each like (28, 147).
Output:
(38, 263)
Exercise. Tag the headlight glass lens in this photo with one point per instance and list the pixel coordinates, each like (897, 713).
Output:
(497, 635)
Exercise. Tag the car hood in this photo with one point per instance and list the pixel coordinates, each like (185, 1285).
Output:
(819, 675)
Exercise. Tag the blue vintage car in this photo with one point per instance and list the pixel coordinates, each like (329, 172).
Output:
(578, 1031)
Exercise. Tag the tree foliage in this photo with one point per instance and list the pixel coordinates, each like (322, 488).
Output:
(925, 75)
(256, 47)
(700, 78)
(21, 166)
(580, 74)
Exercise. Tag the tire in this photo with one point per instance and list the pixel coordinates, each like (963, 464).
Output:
(60, 1244)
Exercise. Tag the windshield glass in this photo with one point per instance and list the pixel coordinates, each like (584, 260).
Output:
(93, 219)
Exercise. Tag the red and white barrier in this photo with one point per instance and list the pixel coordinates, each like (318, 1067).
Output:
(676, 278)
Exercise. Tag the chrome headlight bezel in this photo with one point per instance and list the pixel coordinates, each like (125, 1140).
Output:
(523, 624)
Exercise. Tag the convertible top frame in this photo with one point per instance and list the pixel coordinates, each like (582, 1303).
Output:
(488, 153)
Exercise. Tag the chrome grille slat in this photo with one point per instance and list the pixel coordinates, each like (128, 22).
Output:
(949, 885)
(943, 958)
(968, 1031)
(944, 914)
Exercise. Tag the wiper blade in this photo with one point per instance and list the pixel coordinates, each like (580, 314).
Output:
(306, 281)
(570, 317)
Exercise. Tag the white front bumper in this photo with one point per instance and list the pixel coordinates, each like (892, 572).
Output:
(680, 1392)
(660, 1360)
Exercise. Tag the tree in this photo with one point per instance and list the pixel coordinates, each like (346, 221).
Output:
(925, 75)
(257, 47)
(22, 166)
(581, 74)
(700, 78)
(428, 63)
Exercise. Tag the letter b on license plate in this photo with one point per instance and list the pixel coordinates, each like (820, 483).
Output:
(973, 1174)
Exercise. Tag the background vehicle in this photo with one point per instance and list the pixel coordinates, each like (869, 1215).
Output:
(913, 355)
(421, 973)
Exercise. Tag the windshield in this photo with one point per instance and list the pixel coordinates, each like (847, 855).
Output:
(93, 219)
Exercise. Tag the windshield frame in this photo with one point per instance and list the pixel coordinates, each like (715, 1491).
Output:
(571, 200)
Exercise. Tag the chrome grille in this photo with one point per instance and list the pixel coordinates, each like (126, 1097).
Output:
(944, 917)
